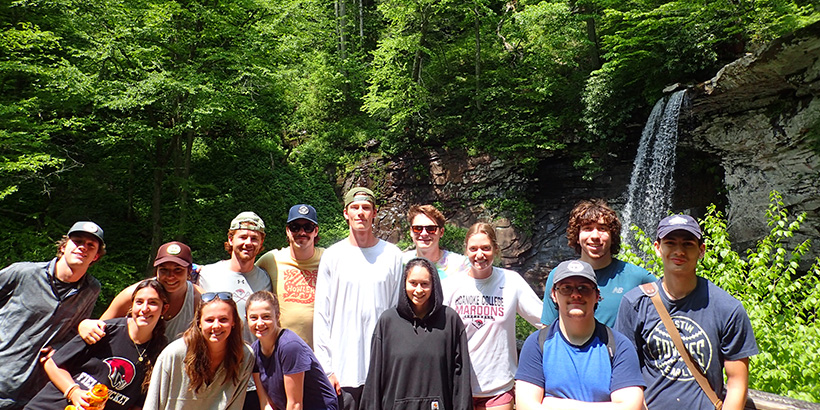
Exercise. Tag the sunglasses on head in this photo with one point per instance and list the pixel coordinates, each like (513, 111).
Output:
(209, 296)
(566, 290)
(308, 227)
(431, 229)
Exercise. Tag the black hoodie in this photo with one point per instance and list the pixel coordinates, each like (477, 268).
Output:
(419, 364)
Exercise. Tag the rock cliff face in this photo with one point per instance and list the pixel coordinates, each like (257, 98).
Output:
(744, 133)
(760, 115)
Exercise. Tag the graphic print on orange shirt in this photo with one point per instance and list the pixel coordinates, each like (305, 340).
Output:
(300, 286)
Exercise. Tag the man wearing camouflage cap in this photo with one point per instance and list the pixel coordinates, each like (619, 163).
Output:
(238, 274)
(358, 279)
(41, 304)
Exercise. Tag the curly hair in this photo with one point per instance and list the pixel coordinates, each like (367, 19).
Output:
(270, 298)
(197, 360)
(428, 210)
(158, 338)
(593, 211)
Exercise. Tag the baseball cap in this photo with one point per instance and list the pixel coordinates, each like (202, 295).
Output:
(176, 252)
(87, 227)
(359, 194)
(679, 223)
(303, 211)
(568, 269)
(248, 220)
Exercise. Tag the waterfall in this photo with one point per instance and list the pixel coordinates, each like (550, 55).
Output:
(652, 182)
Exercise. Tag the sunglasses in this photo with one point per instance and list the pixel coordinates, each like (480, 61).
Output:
(296, 227)
(567, 290)
(209, 296)
(431, 229)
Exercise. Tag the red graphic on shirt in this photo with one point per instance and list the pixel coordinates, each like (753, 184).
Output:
(300, 286)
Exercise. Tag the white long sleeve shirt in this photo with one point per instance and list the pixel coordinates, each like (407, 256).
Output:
(354, 287)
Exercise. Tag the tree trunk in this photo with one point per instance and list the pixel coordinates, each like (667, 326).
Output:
(417, 61)
(341, 10)
(156, 201)
(477, 57)
(593, 38)
(185, 186)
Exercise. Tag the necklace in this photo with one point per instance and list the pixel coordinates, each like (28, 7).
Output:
(142, 353)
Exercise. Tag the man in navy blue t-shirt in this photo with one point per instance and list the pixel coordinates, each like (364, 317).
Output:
(575, 363)
(713, 325)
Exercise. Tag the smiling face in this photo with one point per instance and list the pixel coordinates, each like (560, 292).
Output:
(297, 237)
(360, 215)
(578, 303)
(480, 251)
(216, 322)
(680, 252)
(173, 276)
(262, 319)
(147, 307)
(595, 241)
(80, 250)
(245, 244)
(425, 239)
(419, 286)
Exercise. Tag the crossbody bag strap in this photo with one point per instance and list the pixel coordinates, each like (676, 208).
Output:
(651, 290)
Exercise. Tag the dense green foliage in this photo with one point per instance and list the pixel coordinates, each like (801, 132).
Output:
(782, 301)
(162, 119)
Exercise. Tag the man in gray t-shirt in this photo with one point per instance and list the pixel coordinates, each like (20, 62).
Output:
(239, 275)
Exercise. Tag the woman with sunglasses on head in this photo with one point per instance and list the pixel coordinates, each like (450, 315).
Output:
(487, 298)
(209, 367)
(419, 357)
(286, 372)
(171, 268)
(426, 230)
(122, 360)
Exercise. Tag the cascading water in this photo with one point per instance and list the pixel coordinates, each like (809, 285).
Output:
(652, 182)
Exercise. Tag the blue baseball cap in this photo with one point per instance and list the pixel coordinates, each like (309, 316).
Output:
(303, 211)
(679, 223)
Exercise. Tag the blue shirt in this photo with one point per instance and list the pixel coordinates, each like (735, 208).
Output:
(586, 372)
(714, 327)
(614, 281)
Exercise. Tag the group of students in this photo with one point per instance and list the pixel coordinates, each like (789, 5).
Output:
(424, 329)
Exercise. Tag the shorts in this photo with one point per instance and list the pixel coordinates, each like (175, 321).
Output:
(499, 400)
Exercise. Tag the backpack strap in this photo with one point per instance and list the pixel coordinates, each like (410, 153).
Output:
(651, 290)
(542, 337)
(610, 344)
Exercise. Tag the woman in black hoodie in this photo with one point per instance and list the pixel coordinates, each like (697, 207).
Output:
(419, 358)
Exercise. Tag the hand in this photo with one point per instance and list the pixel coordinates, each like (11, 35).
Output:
(46, 353)
(77, 398)
(335, 383)
(91, 331)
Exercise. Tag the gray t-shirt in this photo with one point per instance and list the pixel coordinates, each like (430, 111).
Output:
(218, 277)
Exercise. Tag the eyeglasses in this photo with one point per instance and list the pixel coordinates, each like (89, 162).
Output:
(431, 229)
(209, 296)
(296, 227)
(566, 290)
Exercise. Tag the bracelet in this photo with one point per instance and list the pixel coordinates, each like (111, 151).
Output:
(71, 390)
